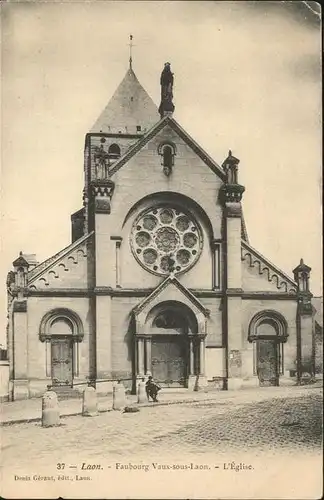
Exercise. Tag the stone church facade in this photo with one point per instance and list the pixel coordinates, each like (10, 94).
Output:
(160, 275)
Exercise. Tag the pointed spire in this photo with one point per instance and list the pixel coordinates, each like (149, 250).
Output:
(129, 111)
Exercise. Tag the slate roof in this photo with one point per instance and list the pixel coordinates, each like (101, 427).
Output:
(129, 107)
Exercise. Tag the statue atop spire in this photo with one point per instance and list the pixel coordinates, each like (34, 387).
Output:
(166, 81)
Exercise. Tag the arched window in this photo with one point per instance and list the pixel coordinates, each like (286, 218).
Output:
(167, 152)
(114, 151)
(167, 156)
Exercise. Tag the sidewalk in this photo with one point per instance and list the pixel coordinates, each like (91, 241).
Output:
(30, 410)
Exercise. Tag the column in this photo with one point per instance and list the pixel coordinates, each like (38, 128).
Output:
(140, 356)
(103, 337)
(191, 357)
(20, 348)
(148, 354)
(118, 241)
(234, 297)
(192, 378)
(304, 322)
(202, 357)
(202, 382)
(216, 252)
(232, 193)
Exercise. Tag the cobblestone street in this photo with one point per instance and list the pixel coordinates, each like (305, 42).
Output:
(207, 432)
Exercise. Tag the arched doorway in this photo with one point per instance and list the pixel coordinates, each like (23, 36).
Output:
(169, 348)
(61, 352)
(61, 330)
(172, 329)
(268, 331)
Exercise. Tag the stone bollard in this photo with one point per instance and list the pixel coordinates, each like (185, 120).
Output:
(141, 392)
(119, 396)
(50, 409)
(89, 402)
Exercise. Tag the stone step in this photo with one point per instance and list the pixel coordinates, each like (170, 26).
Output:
(64, 392)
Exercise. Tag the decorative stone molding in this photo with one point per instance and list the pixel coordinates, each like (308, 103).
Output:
(59, 292)
(101, 193)
(57, 271)
(165, 239)
(274, 275)
(80, 245)
(268, 315)
(233, 209)
(230, 166)
(103, 290)
(166, 143)
(61, 313)
(169, 121)
(20, 306)
(305, 307)
(234, 292)
(196, 304)
(21, 262)
(302, 275)
(231, 193)
(103, 188)
(269, 295)
(215, 242)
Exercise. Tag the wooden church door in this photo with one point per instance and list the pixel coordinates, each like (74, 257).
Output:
(168, 360)
(267, 362)
(62, 370)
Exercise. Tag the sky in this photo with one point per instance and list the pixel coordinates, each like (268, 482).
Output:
(247, 78)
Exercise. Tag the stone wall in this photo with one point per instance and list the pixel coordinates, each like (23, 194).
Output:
(39, 353)
(4, 381)
(287, 308)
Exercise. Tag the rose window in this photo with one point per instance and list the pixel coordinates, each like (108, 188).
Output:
(165, 240)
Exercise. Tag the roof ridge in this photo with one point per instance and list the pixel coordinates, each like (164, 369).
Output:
(42, 266)
(269, 263)
(137, 145)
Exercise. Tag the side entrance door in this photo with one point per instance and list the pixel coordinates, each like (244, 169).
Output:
(169, 361)
(61, 353)
(267, 362)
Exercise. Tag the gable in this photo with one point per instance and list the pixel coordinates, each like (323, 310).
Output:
(171, 290)
(259, 274)
(66, 269)
(180, 132)
(143, 176)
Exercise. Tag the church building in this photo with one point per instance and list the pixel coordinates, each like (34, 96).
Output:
(160, 275)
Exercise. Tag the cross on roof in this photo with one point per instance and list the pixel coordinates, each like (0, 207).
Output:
(131, 45)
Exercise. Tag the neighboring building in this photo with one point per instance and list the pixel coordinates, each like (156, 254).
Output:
(318, 310)
(160, 275)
